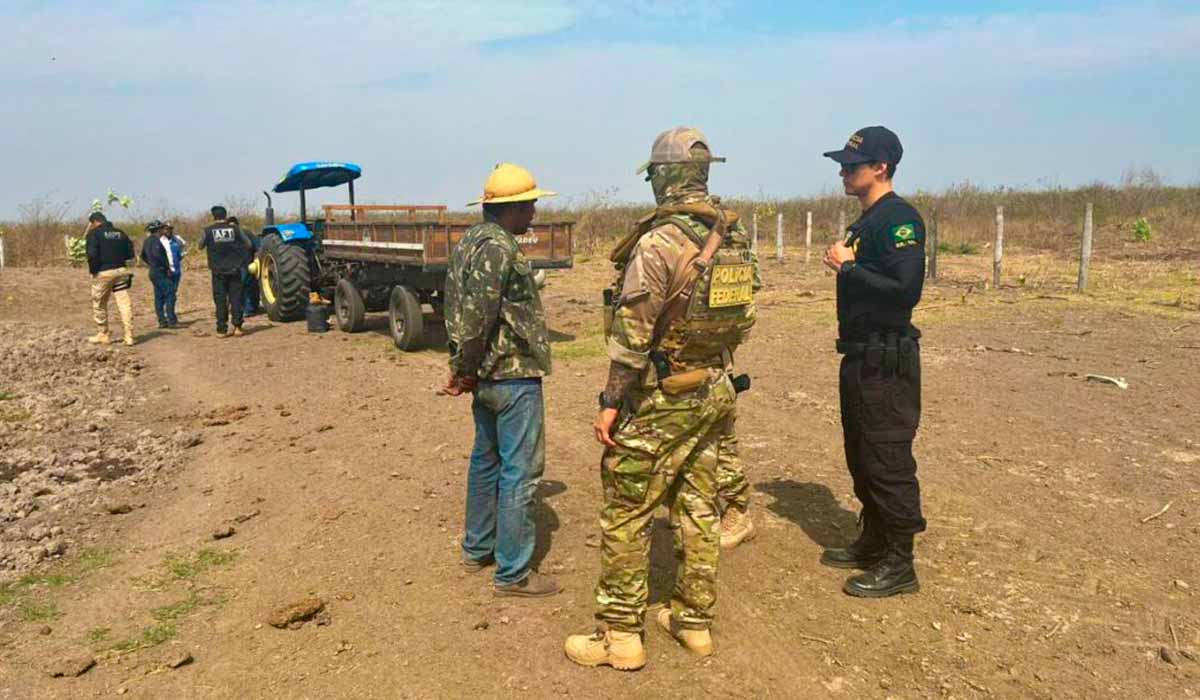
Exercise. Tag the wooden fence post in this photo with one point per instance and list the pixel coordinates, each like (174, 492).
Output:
(841, 232)
(932, 244)
(807, 236)
(779, 236)
(1085, 250)
(1, 252)
(998, 252)
(754, 232)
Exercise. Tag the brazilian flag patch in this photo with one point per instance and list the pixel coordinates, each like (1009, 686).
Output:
(904, 235)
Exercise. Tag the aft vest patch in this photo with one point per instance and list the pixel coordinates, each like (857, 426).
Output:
(904, 235)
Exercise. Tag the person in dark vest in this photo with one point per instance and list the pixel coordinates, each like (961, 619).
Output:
(250, 286)
(228, 252)
(157, 256)
(880, 272)
(109, 251)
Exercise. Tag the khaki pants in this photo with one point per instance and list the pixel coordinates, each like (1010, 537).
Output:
(102, 288)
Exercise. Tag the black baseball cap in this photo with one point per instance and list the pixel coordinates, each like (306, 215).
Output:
(871, 144)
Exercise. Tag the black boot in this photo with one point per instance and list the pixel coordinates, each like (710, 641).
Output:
(867, 550)
(892, 575)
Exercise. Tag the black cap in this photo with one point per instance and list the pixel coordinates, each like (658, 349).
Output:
(155, 226)
(871, 144)
(97, 217)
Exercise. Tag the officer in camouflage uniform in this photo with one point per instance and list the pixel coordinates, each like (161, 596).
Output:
(683, 302)
(499, 351)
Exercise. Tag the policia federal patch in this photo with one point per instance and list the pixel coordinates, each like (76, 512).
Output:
(904, 235)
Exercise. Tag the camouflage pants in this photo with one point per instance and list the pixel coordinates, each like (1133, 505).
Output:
(667, 453)
(733, 489)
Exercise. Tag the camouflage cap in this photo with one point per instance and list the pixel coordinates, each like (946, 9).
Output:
(675, 146)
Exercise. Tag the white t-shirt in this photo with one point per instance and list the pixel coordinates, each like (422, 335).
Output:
(166, 243)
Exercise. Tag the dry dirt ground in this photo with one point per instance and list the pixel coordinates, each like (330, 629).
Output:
(342, 473)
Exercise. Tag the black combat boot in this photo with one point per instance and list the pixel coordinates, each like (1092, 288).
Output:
(866, 551)
(892, 575)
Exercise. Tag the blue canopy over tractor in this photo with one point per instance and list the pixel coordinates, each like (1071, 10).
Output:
(320, 173)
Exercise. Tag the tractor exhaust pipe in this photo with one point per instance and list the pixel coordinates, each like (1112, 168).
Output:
(269, 214)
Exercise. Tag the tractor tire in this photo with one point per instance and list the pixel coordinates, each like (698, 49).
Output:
(405, 319)
(285, 279)
(349, 307)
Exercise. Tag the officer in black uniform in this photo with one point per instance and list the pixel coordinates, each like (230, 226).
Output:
(228, 252)
(880, 271)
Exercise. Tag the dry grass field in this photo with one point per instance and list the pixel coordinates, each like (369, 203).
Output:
(1060, 560)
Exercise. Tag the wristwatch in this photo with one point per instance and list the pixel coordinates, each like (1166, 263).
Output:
(846, 267)
(605, 403)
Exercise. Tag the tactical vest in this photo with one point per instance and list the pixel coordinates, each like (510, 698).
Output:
(720, 306)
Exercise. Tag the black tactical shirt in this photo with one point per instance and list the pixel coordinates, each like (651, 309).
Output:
(228, 248)
(879, 292)
(107, 248)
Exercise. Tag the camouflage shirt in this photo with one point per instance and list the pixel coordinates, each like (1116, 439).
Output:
(494, 320)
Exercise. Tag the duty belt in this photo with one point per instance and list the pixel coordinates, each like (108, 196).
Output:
(882, 351)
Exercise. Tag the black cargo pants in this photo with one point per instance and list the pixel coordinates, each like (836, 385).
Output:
(227, 296)
(880, 389)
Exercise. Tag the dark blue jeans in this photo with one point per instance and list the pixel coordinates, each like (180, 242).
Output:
(506, 466)
(249, 293)
(165, 288)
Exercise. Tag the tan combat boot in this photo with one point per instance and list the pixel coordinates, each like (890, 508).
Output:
(699, 642)
(128, 338)
(736, 528)
(100, 339)
(621, 650)
(237, 332)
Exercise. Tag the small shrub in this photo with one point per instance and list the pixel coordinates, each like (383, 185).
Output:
(1141, 230)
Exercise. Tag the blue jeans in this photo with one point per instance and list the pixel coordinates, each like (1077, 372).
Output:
(165, 287)
(506, 466)
(249, 293)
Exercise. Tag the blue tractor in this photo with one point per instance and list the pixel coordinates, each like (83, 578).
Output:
(376, 257)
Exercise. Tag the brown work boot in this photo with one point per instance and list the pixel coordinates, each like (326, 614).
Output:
(736, 528)
(699, 642)
(237, 332)
(128, 338)
(532, 586)
(474, 566)
(621, 650)
(100, 339)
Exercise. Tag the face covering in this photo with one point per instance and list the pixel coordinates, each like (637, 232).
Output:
(675, 183)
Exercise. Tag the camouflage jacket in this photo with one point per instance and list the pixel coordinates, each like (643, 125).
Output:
(494, 320)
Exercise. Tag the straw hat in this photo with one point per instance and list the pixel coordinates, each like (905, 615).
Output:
(510, 183)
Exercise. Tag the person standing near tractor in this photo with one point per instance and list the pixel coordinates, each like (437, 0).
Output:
(499, 352)
(228, 252)
(880, 272)
(108, 252)
(681, 305)
(250, 287)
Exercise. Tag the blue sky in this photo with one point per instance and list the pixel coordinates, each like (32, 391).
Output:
(184, 103)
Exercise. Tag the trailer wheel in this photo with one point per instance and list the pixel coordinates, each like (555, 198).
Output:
(349, 307)
(404, 318)
(285, 279)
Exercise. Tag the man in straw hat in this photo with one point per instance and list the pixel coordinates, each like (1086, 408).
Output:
(682, 303)
(499, 351)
